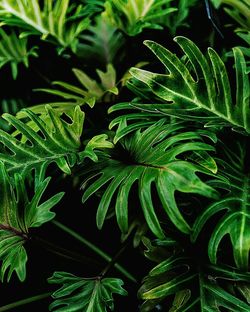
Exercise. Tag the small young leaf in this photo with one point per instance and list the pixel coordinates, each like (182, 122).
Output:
(14, 50)
(80, 294)
(90, 91)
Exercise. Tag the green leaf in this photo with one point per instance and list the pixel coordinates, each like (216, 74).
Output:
(235, 206)
(239, 10)
(95, 89)
(90, 91)
(195, 288)
(14, 50)
(18, 213)
(131, 121)
(80, 294)
(102, 44)
(245, 35)
(179, 17)
(11, 106)
(59, 19)
(152, 158)
(55, 141)
(132, 16)
(202, 93)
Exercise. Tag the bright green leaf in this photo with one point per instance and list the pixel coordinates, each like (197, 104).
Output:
(201, 94)
(57, 141)
(50, 20)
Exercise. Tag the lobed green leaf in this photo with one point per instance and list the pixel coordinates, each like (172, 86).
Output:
(80, 294)
(153, 159)
(202, 91)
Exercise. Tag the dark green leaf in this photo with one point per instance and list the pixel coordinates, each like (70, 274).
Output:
(17, 215)
(235, 207)
(80, 294)
(153, 159)
(196, 288)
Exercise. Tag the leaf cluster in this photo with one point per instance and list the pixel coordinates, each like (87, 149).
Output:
(141, 150)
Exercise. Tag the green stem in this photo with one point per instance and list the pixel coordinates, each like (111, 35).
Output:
(94, 248)
(113, 261)
(24, 301)
(62, 252)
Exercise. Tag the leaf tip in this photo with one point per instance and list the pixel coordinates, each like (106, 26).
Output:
(149, 43)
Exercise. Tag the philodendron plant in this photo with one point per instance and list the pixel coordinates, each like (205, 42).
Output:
(124, 148)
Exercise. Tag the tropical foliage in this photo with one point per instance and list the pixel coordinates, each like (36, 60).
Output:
(124, 147)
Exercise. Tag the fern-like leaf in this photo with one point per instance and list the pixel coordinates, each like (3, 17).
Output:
(61, 20)
(58, 141)
(205, 89)
(235, 207)
(17, 214)
(80, 294)
(153, 158)
(14, 50)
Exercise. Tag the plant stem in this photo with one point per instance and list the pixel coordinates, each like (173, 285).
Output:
(113, 261)
(95, 249)
(24, 301)
(65, 253)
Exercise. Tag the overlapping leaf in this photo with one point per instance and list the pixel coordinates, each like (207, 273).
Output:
(55, 141)
(235, 206)
(80, 294)
(152, 158)
(131, 16)
(195, 287)
(18, 213)
(131, 121)
(62, 20)
(239, 10)
(202, 93)
(134, 119)
(163, 281)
